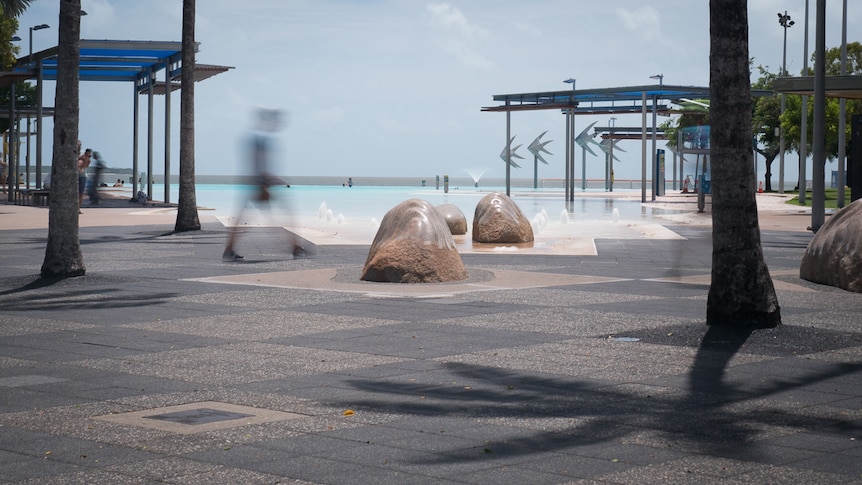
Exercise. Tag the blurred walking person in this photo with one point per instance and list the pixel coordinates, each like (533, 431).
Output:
(261, 155)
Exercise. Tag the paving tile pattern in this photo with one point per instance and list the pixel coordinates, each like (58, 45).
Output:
(616, 381)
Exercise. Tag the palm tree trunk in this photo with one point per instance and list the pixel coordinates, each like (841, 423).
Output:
(187, 211)
(63, 256)
(741, 293)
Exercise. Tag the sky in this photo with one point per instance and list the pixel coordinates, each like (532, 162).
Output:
(396, 87)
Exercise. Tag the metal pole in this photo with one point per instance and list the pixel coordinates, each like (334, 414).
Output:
(803, 125)
(842, 114)
(167, 132)
(781, 147)
(611, 164)
(569, 149)
(27, 154)
(818, 189)
(508, 150)
(9, 167)
(643, 147)
(150, 80)
(571, 195)
(654, 150)
(39, 76)
(135, 117)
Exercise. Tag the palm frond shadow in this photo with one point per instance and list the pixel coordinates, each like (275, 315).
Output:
(709, 415)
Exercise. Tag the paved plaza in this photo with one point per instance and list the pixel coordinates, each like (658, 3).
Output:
(165, 364)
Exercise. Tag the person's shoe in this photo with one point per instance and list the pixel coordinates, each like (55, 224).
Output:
(231, 256)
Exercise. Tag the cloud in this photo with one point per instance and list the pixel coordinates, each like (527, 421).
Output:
(645, 21)
(328, 115)
(458, 34)
(452, 18)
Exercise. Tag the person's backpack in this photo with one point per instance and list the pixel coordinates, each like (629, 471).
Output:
(141, 198)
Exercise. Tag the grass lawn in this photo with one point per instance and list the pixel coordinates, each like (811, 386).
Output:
(831, 198)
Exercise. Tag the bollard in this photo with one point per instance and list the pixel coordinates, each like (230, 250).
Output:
(445, 184)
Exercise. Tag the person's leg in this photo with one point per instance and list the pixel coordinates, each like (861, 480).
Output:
(229, 253)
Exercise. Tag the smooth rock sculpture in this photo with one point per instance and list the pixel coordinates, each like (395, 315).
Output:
(455, 219)
(413, 245)
(499, 220)
(834, 255)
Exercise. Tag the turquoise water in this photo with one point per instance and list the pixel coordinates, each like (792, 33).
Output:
(367, 202)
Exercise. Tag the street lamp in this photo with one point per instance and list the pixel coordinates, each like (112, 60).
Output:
(785, 22)
(660, 78)
(35, 27)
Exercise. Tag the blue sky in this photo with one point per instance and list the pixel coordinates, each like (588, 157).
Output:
(395, 87)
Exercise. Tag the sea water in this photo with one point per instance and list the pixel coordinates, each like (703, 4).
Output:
(363, 203)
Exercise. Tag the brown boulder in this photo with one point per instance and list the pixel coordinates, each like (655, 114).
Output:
(834, 255)
(499, 220)
(455, 219)
(413, 245)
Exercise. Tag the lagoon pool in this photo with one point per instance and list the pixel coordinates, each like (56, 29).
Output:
(362, 203)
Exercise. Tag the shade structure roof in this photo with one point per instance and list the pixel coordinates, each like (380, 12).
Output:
(114, 60)
(848, 87)
(602, 100)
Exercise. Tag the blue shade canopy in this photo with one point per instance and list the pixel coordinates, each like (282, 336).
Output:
(115, 60)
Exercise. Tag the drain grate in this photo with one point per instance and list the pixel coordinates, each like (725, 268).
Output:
(199, 417)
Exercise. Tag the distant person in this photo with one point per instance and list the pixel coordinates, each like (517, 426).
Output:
(261, 143)
(83, 165)
(96, 180)
(118, 183)
(350, 181)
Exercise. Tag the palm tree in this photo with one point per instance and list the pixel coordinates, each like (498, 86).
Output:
(741, 293)
(187, 211)
(14, 8)
(63, 256)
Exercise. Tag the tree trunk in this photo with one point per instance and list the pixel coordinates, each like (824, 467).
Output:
(187, 210)
(63, 256)
(741, 293)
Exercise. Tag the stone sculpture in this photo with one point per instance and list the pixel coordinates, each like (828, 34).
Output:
(834, 255)
(499, 220)
(413, 245)
(453, 216)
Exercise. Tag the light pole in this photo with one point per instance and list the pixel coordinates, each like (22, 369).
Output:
(35, 27)
(785, 22)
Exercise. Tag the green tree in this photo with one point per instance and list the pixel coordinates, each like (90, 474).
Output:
(765, 119)
(8, 50)
(63, 256)
(187, 210)
(791, 122)
(14, 8)
(741, 293)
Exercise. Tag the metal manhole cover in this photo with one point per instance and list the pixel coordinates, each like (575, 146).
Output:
(198, 417)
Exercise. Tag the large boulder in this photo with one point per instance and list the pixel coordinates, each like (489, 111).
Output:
(834, 255)
(454, 218)
(413, 245)
(499, 220)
